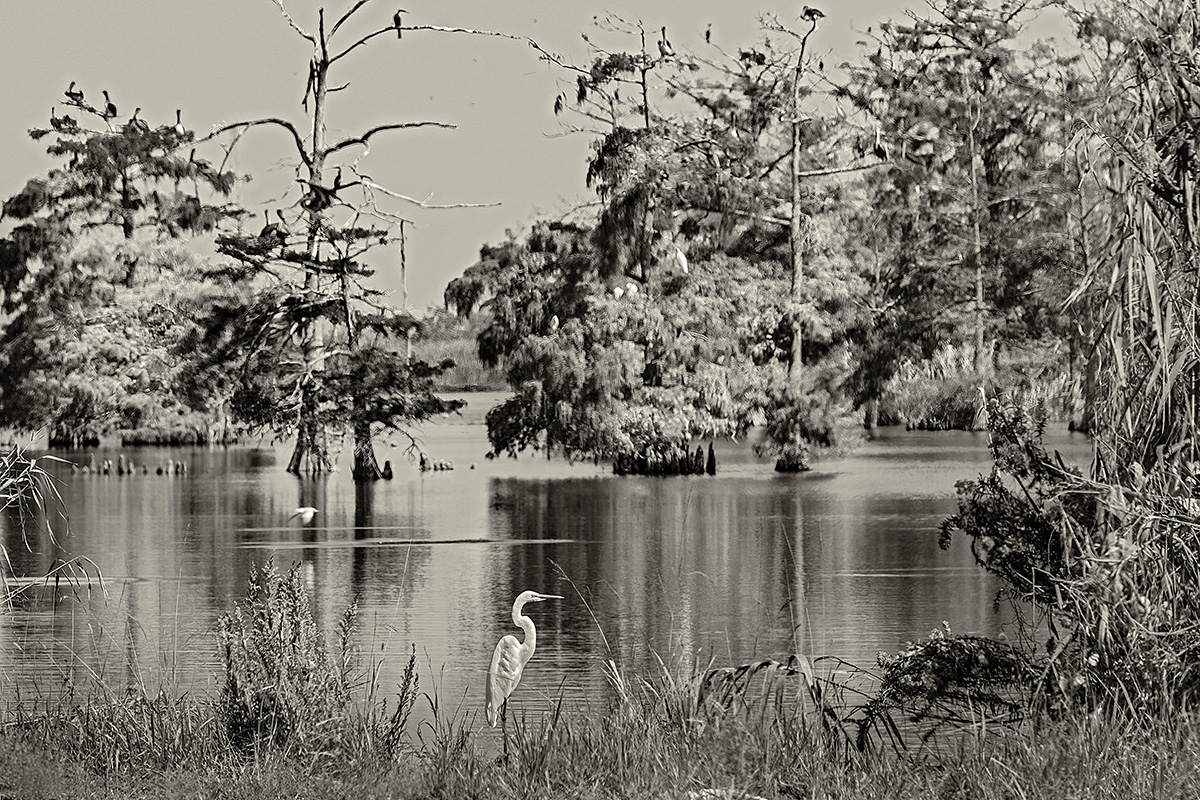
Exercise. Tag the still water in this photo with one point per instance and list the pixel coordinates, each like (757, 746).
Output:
(842, 561)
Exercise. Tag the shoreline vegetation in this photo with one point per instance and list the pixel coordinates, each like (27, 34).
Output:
(299, 717)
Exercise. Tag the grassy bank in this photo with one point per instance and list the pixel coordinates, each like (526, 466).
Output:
(136, 748)
(299, 718)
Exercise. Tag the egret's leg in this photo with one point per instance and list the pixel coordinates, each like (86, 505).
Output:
(504, 726)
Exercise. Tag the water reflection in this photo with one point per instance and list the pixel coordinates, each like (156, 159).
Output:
(748, 564)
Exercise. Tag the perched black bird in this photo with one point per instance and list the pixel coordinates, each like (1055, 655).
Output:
(317, 198)
(811, 14)
(55, 122)
(139, 124)
(396, 22)
(110, 110)
(708, 34)
(73, 95)
(274, 230)
(664, 46)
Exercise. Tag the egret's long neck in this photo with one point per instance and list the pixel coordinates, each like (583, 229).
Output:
(526, 624)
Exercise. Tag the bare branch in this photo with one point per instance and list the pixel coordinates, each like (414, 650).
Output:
(475, 31)
(439, 28)
(363, 41)
(266, 121)
(333, 31)
(556, 59)
(363, 140)
(816, 173)
(292, 22)
(424, 203)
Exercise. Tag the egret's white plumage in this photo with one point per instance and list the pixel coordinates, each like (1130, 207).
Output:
(681, 260)
(305, 513)
(511, 656)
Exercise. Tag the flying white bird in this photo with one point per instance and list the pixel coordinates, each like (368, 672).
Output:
(510, 658)
(305, 513)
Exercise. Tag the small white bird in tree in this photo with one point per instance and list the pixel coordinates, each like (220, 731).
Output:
(510, 658)
(179, 129)
(664, 45)
(305, 513)
(681, 260)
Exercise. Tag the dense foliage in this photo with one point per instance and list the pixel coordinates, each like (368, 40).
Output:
(1107, 563)
(96, 286)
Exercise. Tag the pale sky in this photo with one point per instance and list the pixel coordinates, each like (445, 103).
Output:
(226, 60)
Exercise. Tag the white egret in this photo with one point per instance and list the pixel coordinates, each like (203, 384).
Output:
(511, 656)
(305, 513)
(681, 260)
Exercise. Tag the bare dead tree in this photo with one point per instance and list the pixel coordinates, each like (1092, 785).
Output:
(342, 218)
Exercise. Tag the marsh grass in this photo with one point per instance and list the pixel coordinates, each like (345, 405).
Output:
(28, 490)
(687, 729)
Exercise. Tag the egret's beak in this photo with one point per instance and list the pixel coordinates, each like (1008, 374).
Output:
(542, 597)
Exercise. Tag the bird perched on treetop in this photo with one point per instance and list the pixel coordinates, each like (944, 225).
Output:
(139, 124)
(274, 230)
(664, 46)
(110, 109)
(811, 14)
(510, 658)
(396, 22)
(74, 95)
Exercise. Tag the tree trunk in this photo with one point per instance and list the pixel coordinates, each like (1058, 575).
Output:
(792, 455)
(366, 466)
(980, 364)
(311, 454)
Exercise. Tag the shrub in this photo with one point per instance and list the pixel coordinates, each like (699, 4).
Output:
(1113, 569)
(281, 688)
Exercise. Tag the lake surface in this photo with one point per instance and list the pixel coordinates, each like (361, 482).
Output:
(748, 564)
